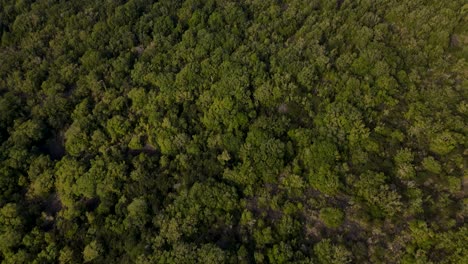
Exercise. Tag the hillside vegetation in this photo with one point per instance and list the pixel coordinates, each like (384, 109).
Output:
(253, 131)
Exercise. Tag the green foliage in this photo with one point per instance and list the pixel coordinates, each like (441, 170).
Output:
(332, 217)
(137, 212)
(233, 131)
(403, 160)
(319, 159)
(328, 253)
(76, 140)
(117, 127)
(378, 195)
(443, 143)
(432, 165)
(92, 251)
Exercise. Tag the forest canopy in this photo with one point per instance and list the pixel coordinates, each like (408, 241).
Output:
(216, 131)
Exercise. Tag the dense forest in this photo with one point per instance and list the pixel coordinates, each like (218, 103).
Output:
(216, 131)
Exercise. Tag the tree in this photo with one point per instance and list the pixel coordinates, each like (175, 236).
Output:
(117, 127)
(41, 176)
(444, 142)
(76, 140)
(332, 217)
(319, 159)
(233, 131)
(328, 253)
(137, 213)
(92, 251)
(378, 195)
(432, 165)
